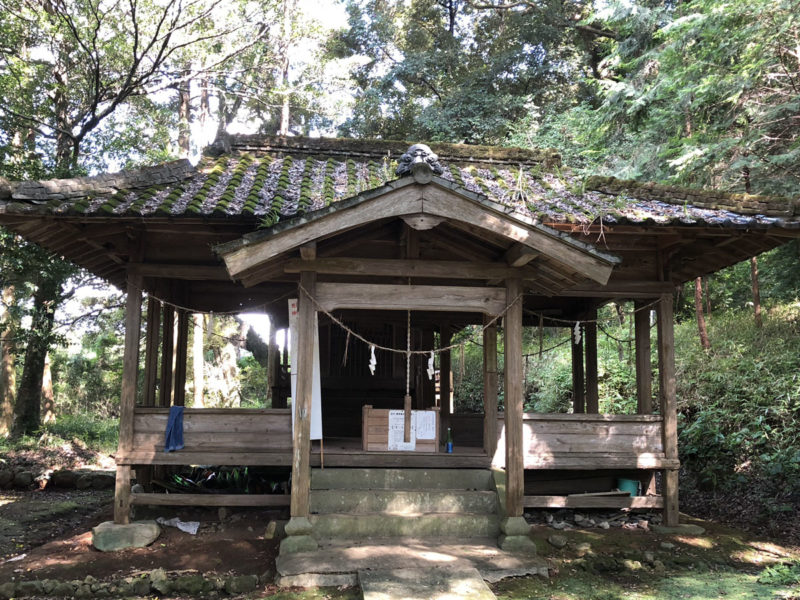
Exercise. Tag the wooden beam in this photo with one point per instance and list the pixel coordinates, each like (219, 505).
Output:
(403, 201)
(489, 386)
(562, 250)
(621, 289)
(210, 499)
(151, 351)
(377, 267)
(333, 296)
(515, 464)
(644, 372)
(174, 271)
(592, 388)
(130, 367)
(666, 349)
(301, 456)
(578, 389)
(519, 255)
(588, 501)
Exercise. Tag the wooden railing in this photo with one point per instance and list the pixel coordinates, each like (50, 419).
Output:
(589, 441)
(230, 436)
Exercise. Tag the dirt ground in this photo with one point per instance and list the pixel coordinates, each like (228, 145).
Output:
(53, 531)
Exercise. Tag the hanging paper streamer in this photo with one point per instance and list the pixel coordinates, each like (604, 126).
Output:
(431, 369)
(576, 334)
(372, 360)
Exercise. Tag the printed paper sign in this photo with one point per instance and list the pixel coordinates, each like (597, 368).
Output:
(396, 427)
(424, 423)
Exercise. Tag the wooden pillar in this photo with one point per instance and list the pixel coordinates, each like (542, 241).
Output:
(301, 457)
(515, 467)
(272, 367)
(181, 358)
(578, 393)
(644, 372)
(130, 365)
(167, 346)
(198, 374)
(489, 387)
(445, 371)
(592, 388)
(669, 414)
(151, 351)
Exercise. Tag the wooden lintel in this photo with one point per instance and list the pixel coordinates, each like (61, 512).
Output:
(626, 289)
(519, 255)
(170, 271)
(332, 296)
(376, 267)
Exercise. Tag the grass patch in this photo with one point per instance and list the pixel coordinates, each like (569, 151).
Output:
(86, 430)
(697, 586)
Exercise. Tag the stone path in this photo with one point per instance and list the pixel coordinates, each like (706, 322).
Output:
(339, 563)
(442, 583)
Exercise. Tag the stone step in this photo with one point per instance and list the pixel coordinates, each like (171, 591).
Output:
(441, 583)
(344, 526)
(401, 479)
(336, 562)
(403, 502)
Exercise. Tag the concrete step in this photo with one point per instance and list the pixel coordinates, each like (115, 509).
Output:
(344, 526)
(401, 479)
(402, 502)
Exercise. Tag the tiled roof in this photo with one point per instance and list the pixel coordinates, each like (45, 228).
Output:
(272, 179)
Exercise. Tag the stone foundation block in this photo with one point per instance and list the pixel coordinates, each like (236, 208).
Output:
(110, 536)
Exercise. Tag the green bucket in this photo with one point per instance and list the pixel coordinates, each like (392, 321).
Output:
(628, 485)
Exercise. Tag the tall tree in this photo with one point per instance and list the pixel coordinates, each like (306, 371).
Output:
(453, 70)
(701, 93)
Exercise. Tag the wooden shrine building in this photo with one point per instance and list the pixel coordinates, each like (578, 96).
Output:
(405, 248)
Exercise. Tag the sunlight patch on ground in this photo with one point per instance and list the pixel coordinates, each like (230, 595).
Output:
(697, 542)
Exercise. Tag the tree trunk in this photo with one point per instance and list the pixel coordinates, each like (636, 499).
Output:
(289, 10)
(199, 361)
(184, 110)
(48, 399)
(8, 380)
(756, 292)
(27, 412)
(698, 308)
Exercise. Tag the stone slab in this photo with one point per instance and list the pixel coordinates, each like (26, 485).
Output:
(682, 529)
(110, 537)
(401, 479)
(317, 580)
(337, 557)
(442, 583)
(347, 526)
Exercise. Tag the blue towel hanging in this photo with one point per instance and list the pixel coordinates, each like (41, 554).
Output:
(173, 438)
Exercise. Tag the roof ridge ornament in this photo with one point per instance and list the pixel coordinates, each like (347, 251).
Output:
(421, 162)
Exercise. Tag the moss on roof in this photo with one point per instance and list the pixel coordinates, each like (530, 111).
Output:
(271, 179)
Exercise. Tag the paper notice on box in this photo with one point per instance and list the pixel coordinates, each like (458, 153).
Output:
(396, 426)
(424, 424)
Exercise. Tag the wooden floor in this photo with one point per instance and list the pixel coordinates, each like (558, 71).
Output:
(347, 452)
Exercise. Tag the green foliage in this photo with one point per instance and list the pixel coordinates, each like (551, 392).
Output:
(781, 574)
(740, 402)
(97, 433)
(449, 71)
(700, 93)
(253, 378)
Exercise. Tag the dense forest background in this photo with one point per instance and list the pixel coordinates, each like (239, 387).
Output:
(697, 93)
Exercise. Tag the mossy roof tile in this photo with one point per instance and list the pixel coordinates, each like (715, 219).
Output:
(277, 178)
